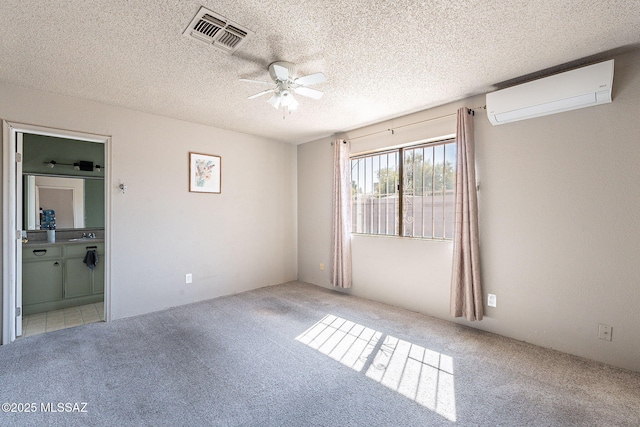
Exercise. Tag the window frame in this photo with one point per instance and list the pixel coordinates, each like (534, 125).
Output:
(400, 214)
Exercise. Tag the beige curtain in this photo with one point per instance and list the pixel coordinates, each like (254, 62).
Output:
(341, 227)
(466, 290)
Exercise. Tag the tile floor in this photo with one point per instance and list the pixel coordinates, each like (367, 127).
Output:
(41, 323)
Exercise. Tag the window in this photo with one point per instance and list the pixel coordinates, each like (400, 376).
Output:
(375, 193)
(415, 183)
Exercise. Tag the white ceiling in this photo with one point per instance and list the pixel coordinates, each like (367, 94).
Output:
(382, 59)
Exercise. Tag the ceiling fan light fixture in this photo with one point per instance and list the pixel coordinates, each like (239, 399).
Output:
(274, 101)
(293, 103)
(285, 98)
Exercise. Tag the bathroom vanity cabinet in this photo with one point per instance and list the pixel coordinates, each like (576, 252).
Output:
(41, 275)
(54, 276)
(80, 280)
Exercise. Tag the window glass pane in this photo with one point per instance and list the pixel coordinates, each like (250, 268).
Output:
(391, 199)
(375, 198)
(450, 157)
(358, 177)
(438, 191)
(427, 201)
(366, 195)
(417, 200)
(408, 187)
(384, 188)
(428, 185)
(375, 194)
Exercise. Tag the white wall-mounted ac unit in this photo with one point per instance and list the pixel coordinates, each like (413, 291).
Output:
(579, 88)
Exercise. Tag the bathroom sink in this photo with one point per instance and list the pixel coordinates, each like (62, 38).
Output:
(81, 239)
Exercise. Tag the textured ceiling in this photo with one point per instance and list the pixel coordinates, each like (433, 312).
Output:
(382, 59)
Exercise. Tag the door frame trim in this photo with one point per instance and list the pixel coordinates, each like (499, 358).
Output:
(9, 205)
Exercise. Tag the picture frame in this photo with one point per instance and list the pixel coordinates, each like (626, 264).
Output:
(205, 173)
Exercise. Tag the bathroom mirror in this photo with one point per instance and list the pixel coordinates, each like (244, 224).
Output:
(78, 202)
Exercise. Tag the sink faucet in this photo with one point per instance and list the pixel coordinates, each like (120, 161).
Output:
(89, 235)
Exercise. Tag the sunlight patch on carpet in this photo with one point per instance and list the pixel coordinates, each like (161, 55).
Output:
(347, 342)
(424, 376)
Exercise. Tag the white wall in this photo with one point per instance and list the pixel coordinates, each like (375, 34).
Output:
(559, 238)
(242, 239)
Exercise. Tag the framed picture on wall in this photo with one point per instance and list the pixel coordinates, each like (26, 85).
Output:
(205, 173)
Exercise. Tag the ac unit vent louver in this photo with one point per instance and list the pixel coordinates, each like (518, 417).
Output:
(216, 30)
(208, 26)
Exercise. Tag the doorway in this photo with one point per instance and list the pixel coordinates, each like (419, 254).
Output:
(15, 220)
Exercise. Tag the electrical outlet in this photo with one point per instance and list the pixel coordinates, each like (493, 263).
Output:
(188, 278)
(604, 332)
(322, 266)
(491, 300)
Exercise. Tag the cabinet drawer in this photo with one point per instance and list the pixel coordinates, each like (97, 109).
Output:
(41, 252)
(75, 250)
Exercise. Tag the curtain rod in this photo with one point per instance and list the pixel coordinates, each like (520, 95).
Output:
(392, 130)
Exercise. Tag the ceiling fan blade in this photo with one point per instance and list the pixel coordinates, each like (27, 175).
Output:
(281, 72)
(264, 92)
(311, 79)
(308, 92)
(275, 101)
(257, 81)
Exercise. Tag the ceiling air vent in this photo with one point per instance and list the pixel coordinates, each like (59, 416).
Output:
(216, 30)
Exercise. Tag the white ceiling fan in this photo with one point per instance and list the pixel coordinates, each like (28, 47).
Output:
(282, 73)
